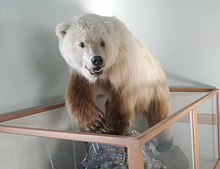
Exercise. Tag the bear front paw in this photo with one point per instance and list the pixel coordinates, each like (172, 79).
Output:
(99, 125)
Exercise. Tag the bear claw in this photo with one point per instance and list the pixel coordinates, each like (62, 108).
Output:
(99, 126)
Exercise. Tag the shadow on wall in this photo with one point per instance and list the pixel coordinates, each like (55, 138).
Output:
(28, 39)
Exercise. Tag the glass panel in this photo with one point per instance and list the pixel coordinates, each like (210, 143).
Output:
(182, 99)
(207, 134)
(25, 152)
(178, 156)
(53, 150)
(56, 119)
(59, 119)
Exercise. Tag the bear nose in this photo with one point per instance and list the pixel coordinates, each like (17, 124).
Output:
(97, 60)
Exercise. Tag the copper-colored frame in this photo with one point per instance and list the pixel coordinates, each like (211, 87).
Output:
(134, 144)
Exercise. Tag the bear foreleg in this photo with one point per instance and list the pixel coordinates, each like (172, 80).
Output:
(80, 98)
(118, 115)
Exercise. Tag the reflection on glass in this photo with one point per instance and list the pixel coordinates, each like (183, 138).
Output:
(178, 156)
(207, 134)
(25, 152)
(56, 119)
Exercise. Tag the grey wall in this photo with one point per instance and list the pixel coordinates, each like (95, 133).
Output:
(32, 72)
(183, 35)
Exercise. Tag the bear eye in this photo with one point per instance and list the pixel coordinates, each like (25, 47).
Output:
(102, 43)
(82, 44)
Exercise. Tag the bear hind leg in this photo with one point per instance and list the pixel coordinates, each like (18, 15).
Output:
(118, 119)
(157, 111)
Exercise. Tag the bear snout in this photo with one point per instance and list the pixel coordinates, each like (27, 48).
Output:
(97, 60)
(97, 68)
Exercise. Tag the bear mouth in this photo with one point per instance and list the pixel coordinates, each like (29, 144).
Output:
(97, 71)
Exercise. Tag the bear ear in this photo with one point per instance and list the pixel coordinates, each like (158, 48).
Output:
(61, 29)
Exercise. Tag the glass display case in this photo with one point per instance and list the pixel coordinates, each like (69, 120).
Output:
(46, 137)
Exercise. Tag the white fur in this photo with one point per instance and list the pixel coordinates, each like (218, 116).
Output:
(127, 63)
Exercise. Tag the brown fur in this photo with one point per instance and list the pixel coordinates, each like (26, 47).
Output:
(80, 98)
(118, 114)
(131, 78)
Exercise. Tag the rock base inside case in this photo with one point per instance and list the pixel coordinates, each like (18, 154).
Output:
(100, 156)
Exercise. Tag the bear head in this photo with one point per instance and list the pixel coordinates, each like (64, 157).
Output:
(87, 44)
